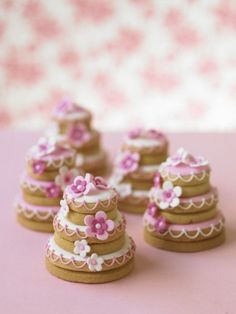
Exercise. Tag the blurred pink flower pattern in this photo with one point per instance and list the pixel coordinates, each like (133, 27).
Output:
(132, 62)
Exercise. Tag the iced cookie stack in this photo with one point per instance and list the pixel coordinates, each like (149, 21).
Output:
(90, 244)
(73, 123)
(141, 154)
(49, 170)
(182, 214)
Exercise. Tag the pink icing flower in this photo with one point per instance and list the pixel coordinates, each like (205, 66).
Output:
(157, 180)
(168, 196)
(44, 146)
(95, 262)
(79, 134)
(136, 133)
(38, 166)
(81, 248)
(99, 225)
(53, 190)
(83, 185)
(64, 106)
(161, 224)
(100, 183)
(128, 162)
(65, 177)
(183, 157)
(154, 134)
(152, 209)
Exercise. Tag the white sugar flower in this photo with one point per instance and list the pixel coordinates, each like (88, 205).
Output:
(81, 248)
(168, 196)
(95, 262)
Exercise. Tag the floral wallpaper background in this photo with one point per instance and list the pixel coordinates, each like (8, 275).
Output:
(169, 64)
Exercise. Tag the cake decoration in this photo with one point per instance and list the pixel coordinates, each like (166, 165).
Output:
(136, 167)
(96, 250)
(182, 214)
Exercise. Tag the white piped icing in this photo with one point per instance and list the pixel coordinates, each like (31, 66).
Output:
(149, 168)
(93, 198)
(60, 252)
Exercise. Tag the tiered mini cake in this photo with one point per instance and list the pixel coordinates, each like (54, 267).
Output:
(90, 244)
(141, 154)
(49, 170)
(182, 214)
(74, 124)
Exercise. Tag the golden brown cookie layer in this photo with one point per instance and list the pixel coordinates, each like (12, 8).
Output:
(189, 218)
(35, 225)
(193, 246)
(90, 277)
(41, 201)
(190, 191)
(106, 247)
(78, 219)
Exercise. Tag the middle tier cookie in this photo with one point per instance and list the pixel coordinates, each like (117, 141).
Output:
(90, 244)
(141, 154)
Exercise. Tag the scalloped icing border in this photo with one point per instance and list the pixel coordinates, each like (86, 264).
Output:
(103, 204)
(199, 231)
(198, 177)
(63, 161)
(35, 214)
(50, 254)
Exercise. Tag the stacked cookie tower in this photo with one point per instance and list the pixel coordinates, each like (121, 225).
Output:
(73, 124)
(49, 170)
(141, 154)
(89, 244)
(182, 214)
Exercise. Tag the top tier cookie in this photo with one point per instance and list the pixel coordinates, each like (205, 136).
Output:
(90, 243)
(67, 113)
(190, 172)
(46, 158)
(136, 165)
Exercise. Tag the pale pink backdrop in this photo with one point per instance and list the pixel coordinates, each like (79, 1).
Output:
(169, 64)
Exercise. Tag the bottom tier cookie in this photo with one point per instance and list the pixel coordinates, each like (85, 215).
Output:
(38, 218)
(91, 269)
(88, 277)
(184, 246)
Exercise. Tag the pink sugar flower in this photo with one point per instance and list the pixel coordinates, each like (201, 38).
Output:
(152, 209)
(136, 133)
(183, 157)
(83, 185)
(65, 177)
(64, 106)
(161, 224)
(81, 248)
(98, 225)
(79, 134)
(154, 134)
(168, 196)
(95, 262)
(38, 166)
(100, 183)
(44, 146)
(53, 190)
(128, 162)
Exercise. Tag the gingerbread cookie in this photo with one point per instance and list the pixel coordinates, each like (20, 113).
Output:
(182, 221)
(134, 172)
(74, 127)
(49, 170)
(91, 247)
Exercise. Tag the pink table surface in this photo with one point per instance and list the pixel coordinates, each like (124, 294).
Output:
(162, 282)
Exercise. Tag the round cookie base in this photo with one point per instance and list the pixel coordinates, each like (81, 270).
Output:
(184, 247)
(90, 277)
(35, 225)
